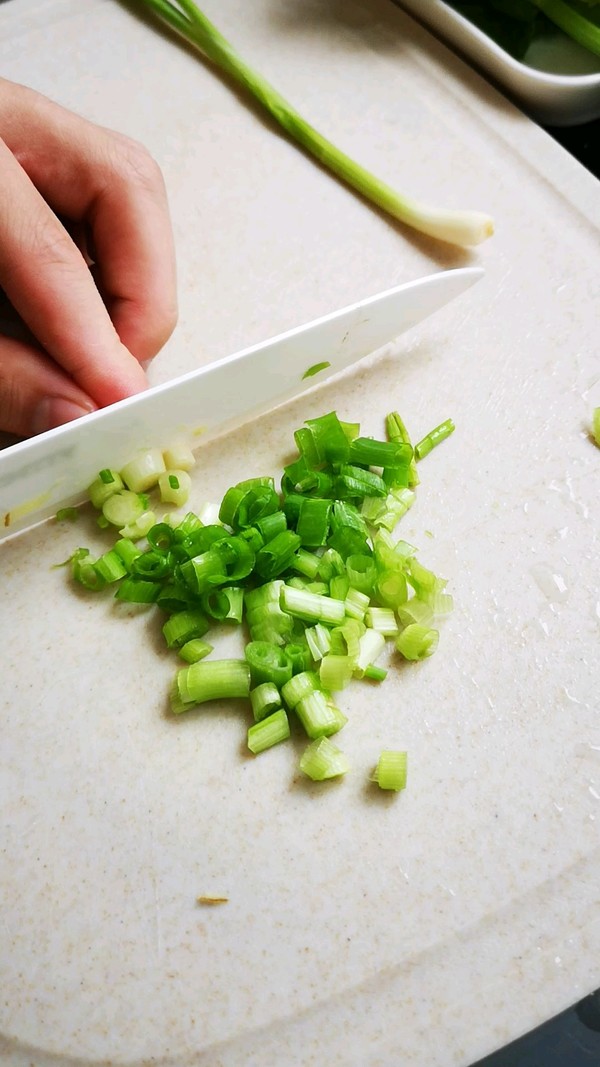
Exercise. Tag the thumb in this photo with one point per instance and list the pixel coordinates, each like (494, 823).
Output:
(35, 395)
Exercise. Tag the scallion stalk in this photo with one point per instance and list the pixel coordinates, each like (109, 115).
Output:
(219, 679)
(195, 650)
(390, 772)
(458, 227)
(265, 699)
(323, 760)
(417, 642)
(268, 732)
(311, 607)
(434, 438)
(319, 716)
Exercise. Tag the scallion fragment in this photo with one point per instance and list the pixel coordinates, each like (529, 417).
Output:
(268, 732)
(323, 760)
(390, 772)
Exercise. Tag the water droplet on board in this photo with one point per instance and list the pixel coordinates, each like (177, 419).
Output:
(594, 792)
(551, 583)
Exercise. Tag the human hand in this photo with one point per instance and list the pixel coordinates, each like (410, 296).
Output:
(87, 348)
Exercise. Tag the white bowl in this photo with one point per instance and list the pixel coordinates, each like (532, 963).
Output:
(557, 83)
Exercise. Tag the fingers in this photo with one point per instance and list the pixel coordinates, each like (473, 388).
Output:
(90, 174)
(46, 279)
(35, 395)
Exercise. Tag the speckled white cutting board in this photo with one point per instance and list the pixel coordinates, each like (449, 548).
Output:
(361, 930)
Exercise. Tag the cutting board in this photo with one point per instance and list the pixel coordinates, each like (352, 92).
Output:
(360, 929)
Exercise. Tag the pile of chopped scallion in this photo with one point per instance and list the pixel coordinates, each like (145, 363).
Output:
(312, 570)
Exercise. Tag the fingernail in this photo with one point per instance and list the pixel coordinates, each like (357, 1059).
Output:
(55, 410)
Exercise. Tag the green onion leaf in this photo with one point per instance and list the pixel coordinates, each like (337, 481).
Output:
(67, 515)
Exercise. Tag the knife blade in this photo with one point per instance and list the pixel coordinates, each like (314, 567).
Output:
(53, 470)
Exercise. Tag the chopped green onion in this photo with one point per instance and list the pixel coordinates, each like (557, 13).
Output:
(331, 442)
(84, 571)
(267, 663)
(335, 672)
(138, 591)
(383, 620)
(375, 674)
(345, 639)
(67, 515)
(127, 551)
(152, 564)
(306, 563)
(319, 641)
(319, 716)
(339, 587)
(392, 589)
(102, 522)
(330, 564)
(299, 686)
(174, 487)
(345, 514)
(397, 432)
(380, 453)
(361, 572)
(347, 541)
(270, 525)
(356, 604)
(277, 555)
(183, 626)
(204, 571)
(122, 508)
(179, 457)
(223, 604)
(100, 490)
(195, 650)
(315, 369)
(357, 482)
(311, 607)
(322, 760)
(313, 522)
(106, 476)
(299, 656)
(433, 438)
(417, 642)
(459, 227)
(173, 597)
(217, 679)
(415, 610)
(238, 557)
(390, 772)
(370, 647)
(265, 699)
(142, 472)
(110, 566)
(162, 537)
(268, 732)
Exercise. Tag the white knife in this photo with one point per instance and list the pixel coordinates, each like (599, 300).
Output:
(53, 470)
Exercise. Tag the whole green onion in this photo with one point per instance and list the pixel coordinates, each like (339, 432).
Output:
(459, 227)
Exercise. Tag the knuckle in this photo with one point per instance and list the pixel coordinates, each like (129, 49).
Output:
(135, 164)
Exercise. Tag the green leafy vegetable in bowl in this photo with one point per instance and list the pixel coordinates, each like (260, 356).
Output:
(514, 24)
